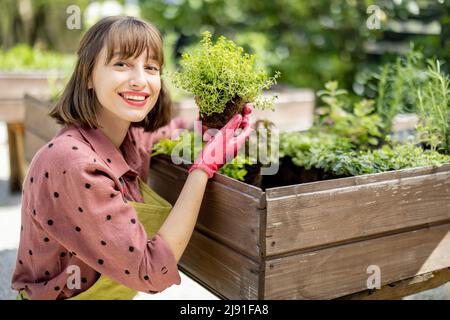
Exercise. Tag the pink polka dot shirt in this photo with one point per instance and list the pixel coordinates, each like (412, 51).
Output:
(75, 216)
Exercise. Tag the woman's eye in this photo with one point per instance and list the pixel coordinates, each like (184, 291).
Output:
(120, 64)
(153, 68)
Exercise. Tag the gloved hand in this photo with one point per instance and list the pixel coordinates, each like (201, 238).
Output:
(223, 146)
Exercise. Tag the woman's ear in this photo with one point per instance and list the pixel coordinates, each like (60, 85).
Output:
(90, 86)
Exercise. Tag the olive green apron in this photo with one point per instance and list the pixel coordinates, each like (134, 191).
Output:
(151, 213)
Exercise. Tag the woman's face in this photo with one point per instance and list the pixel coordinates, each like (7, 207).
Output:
(127, 89)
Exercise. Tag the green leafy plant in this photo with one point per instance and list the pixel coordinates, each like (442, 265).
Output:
(222, 77)
(337, 156)
(396, 84)
(22, 57)
(361, 124)
(235, 169)
(433, 108)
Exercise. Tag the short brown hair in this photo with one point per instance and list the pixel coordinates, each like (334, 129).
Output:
(78, 103)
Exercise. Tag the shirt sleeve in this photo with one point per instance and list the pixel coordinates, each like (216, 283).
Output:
(86, 213)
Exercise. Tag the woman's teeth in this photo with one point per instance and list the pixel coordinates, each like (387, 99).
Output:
(136, 98)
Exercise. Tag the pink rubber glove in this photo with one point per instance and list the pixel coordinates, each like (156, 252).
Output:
(223, 146)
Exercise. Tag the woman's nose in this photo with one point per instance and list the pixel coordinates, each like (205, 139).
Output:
(137, 79)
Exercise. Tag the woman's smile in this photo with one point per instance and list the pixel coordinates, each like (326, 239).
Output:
(134, 98)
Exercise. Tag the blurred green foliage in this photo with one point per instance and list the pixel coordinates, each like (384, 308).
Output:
(310, 42)
(23, 57)
(39, 23)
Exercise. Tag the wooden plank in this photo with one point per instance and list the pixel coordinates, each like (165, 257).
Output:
(339, 215)
(226, 214)
(404, 288)
(342, 270)
(220, 269)
(12, 110)
(37, 119)
(352, 181)
(18, 167)
(32, 145)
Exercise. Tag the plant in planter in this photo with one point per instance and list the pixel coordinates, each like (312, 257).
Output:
(358, 122)
(236, 169)
(222, 77)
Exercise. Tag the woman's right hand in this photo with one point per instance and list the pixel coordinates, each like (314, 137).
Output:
(224, 145)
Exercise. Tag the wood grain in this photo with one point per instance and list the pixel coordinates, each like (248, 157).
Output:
(306, 220)
(37, 119)
(404, 288)
(342, 270)
(220, 269)
(226, 214)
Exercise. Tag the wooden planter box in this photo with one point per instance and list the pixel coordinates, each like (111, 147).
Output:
(13, 87)
(314, 240)
(39, 127)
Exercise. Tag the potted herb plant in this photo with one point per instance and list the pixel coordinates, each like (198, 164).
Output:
(222, 77)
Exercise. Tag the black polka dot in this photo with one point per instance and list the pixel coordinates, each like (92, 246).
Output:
(100, 261)
(108, 217)
(78, 229)
(133, 142)
(20, 261)
(46, 239)
(164, 270)
(83, 280)
(69, 135)
(109, 160)
(47, 273)
(146, 277)
(152, 291)
(87, 185)
(45, 283)
(30, 252)
(31, 179)
(62, 254)
(103, 243)
(95, 160)
(56, 288)
(127, 272)
(50, 222)
(50, 145)
(64, 172)
(112, 195)
(74, 148)
(46, 175)
(133, 221)
(56, 194)
(131, 249)
(34, 212)
(73, 253)
(80, 209)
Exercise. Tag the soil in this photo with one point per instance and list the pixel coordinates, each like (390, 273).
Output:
(289, 174)
(218, 120)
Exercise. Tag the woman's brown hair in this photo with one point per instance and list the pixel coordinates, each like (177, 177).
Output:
(132, 36)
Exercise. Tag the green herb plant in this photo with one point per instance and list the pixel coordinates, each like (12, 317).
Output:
(222, 73)
(361, 125)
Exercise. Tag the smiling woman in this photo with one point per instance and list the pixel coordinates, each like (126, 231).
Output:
(85, 200)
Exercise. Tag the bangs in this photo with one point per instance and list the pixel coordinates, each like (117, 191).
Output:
(130, 38)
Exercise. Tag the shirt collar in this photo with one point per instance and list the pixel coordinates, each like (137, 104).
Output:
(108, 152)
